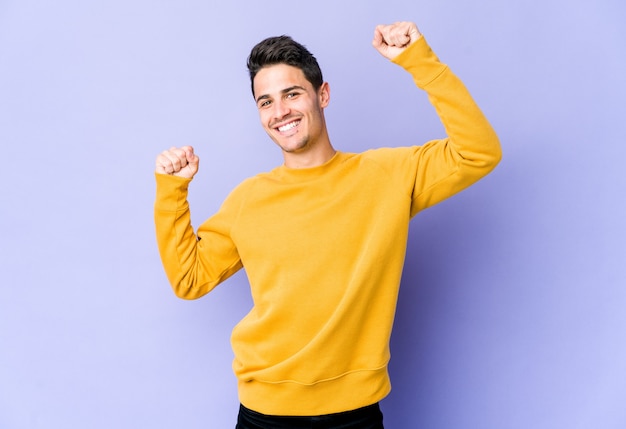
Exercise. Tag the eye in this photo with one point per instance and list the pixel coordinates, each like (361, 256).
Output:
(264, 103)
(292, 94)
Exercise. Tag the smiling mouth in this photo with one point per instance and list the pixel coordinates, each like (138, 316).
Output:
(288, 126)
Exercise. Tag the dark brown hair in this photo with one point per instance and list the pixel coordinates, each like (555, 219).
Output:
(284, 50)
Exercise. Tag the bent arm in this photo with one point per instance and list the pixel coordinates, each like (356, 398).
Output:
(193, 266)
(471, 149)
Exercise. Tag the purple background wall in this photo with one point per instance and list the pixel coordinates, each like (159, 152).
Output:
(511, 313)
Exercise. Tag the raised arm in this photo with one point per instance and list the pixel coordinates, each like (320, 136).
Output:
(471, 149)
(193, 266)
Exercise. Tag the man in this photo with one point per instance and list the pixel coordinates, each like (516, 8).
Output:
(322, 237)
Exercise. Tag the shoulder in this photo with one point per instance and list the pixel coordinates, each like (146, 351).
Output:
(253, 184)
(244, 187)
(387, 162)
(390, 157)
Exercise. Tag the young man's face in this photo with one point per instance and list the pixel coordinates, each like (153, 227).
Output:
(291, 111)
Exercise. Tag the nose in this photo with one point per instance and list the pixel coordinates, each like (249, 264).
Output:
(280, 109)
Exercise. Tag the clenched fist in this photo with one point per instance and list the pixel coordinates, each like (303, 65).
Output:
(391, 40)
(181, 162)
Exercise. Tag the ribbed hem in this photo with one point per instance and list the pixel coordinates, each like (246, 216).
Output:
(352, 391)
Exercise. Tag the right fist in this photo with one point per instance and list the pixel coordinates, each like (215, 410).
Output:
(181, 162)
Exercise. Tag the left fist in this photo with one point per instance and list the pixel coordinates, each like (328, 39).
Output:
(391, 40)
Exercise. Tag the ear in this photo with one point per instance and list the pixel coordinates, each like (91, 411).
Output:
(323, 95)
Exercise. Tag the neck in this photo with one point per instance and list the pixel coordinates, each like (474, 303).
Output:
(315, 156)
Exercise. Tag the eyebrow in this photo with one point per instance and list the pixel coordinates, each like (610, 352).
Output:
(284, 91)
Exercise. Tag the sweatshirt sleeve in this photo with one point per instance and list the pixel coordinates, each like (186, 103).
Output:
(194, 264)
(471, 149)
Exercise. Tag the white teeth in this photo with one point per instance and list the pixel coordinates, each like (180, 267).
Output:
(288, 126)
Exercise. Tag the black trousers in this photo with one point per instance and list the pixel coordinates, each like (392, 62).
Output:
(369, 417)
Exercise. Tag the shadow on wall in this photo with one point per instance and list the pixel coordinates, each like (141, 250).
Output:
(436, 343)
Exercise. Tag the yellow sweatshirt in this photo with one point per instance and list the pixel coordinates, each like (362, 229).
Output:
(323, 249)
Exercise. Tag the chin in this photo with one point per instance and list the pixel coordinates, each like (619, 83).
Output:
(295, 148)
